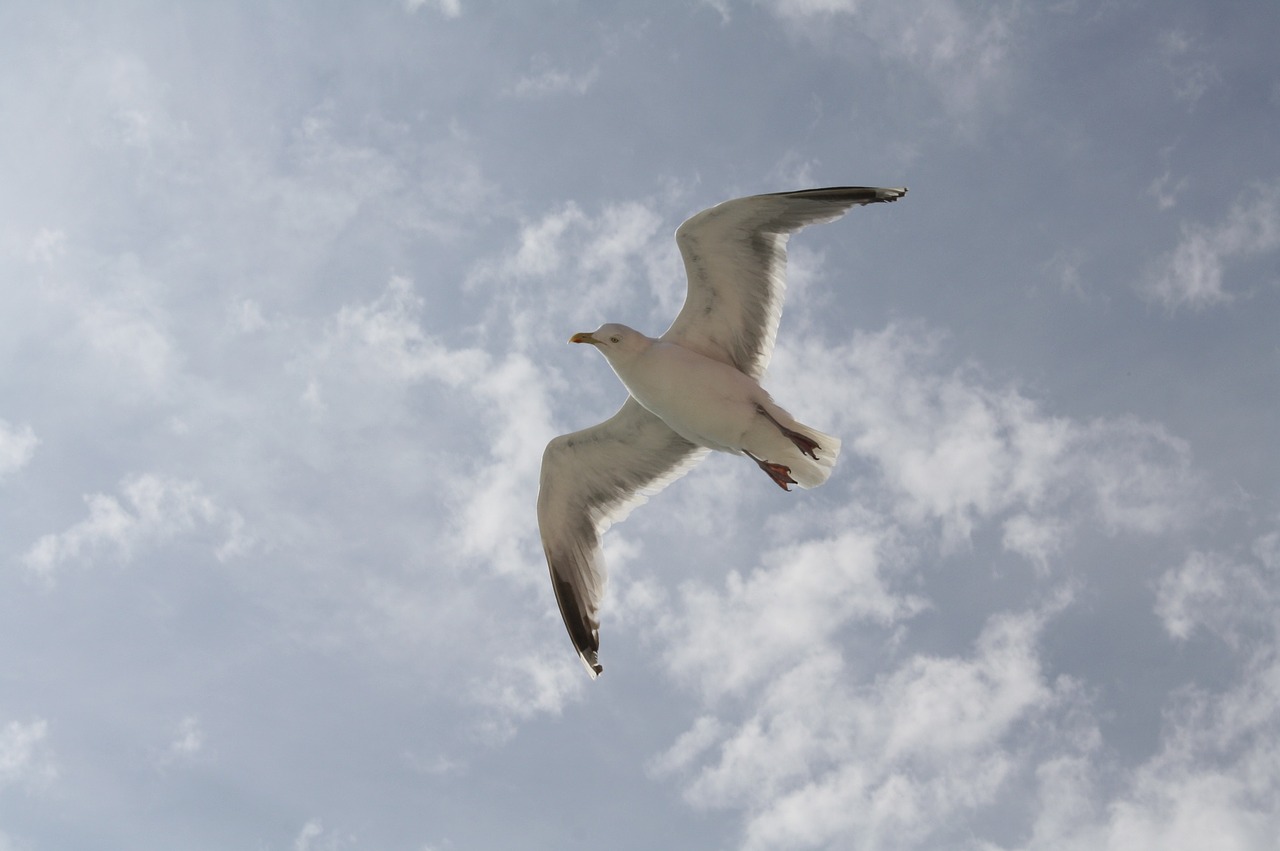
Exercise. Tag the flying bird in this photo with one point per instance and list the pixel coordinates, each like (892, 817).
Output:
(694, 389)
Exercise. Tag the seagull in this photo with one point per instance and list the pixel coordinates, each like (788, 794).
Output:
(694, 389)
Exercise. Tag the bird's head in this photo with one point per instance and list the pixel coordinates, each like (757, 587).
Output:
(614, 340)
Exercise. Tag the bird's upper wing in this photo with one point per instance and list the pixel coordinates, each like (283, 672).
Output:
(590, 479)
(735, 256)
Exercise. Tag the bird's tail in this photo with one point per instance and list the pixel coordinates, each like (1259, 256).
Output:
(810, 472)
(810, 454)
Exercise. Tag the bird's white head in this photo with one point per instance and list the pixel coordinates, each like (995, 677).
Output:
(614, 341)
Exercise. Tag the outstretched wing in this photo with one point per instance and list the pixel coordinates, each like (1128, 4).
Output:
(735, 256)
(590, 479)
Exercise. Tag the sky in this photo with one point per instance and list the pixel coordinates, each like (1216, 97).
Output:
(285, 290)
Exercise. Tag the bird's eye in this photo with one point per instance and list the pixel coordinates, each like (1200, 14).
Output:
(615, 339)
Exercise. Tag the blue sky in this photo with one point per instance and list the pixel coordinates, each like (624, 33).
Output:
(284, 296)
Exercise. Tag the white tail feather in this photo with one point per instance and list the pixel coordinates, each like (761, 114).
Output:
(807, 472)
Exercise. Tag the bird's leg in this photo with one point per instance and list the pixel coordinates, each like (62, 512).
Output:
(780, 473)
(804, 443)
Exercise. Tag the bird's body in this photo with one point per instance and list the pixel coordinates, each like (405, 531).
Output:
(710, 403)
(692, 390)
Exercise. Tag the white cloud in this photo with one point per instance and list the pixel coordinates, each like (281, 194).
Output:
(437, 766)
(525, 682)
(1215, 777)
(1192, 275)
(447, 8)
(1166, 190)
(341, 176)
(805, 8)
(499, 406)
(309, 832)
(951, 450)
(959, 50)
(246, 316)
(1036, 538)
(186, 743)
(188, 739)
(115, 320)
(721, 7)
(48, 245)
(24, 754)
(619, 259)
(314, 836)
(504, 399)
(1190, 75)
(1234, 600)
(802, 594)
(1063, 270)
(336, 179)
(691, 745)
(133, 343)
(825, 758)
(17, 447)
(540, 253)
(129, 102)
(370, 366)
(385, 340)
(1138, 477)
(544, 81)
(151, 510)
(494, 516)
(1212, 784)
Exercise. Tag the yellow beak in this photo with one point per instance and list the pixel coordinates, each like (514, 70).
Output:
(584, 337)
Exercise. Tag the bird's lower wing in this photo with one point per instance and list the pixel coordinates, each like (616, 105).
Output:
(591, 479)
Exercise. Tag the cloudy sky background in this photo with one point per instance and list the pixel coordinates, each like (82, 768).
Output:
(284, 295)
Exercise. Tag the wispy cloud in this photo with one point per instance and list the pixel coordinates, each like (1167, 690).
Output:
(131, 105)
(1218, 764)
(372, 356)
(47, 245)
(25, 759)
(188, 739)
(818, 760)
(1230, 599)
(17, 446)
(150, 510)
(447, 8)
(187, 742)
(314, 836)
(385, 338)
(109, 313)
(954, 451)
(612, 260)
(791, 606)
(1190, 74)
(1165, 190)
(960, 51)
(1193, 274)
(524, 683)
(544, 80)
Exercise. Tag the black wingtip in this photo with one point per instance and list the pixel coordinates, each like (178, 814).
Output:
(849, 194)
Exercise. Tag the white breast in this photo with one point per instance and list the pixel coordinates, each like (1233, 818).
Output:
(703, 400)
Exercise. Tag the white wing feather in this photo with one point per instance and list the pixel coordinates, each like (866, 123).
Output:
(590, 479)
(735, 256)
